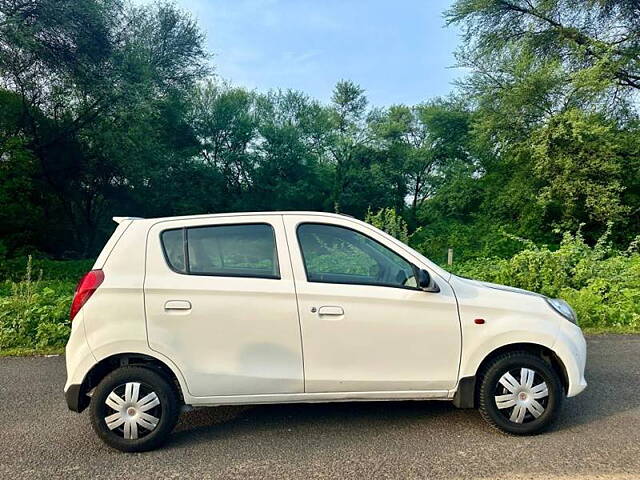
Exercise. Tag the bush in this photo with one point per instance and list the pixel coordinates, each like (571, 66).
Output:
(390, 222)
(601, 284)
(35, 313)
(68, 270)
(469, 241)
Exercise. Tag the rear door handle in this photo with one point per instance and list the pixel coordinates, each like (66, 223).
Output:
(177, 305)
(330, 310)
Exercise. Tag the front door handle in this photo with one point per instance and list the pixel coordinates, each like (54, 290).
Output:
(330, 310)
(177, 305)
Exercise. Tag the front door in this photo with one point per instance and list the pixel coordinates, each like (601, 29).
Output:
(366, 327)
(220, 303)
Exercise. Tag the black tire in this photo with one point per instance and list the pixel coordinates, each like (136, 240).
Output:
(149, 381)
(503, 418)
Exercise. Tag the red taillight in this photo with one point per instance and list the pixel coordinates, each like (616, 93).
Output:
(87, 285)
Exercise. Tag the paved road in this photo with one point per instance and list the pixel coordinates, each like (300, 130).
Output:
(597, 437)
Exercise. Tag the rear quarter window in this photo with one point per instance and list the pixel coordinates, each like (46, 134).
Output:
(173, 246)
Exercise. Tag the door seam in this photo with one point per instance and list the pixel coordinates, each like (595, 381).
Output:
(295, 291)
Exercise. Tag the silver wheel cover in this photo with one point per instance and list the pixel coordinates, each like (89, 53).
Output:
(131, 411)
(522, 397)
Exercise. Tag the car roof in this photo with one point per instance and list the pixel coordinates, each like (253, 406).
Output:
(236, 214)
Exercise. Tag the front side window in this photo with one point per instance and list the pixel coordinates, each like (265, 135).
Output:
(335, 254)
(225, 250)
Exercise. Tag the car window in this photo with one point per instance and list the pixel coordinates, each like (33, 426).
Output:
(226, 250)
(335, 254)
(173, 244)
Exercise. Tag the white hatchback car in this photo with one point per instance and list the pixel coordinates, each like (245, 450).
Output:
(279, 307)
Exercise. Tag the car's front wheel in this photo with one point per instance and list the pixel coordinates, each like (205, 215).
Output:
(134, 409)
(520, 393)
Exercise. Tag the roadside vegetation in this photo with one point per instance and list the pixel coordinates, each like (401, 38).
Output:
(34, 313)
(601, 283)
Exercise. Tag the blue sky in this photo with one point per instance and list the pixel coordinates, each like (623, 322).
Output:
(399, 51)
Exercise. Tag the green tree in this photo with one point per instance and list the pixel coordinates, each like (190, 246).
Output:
(546, 83)
(596, 42)
(289, 171)
(348, 134)
(578, 156)
(98, 82)
(430, 142)
(225, 122)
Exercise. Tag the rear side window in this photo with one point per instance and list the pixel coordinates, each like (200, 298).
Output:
(224, 250)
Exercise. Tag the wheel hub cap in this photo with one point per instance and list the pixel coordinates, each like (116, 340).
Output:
(135, 415)
(521, 400)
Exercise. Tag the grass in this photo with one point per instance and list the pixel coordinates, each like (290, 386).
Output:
(595, 331)
(30, 352)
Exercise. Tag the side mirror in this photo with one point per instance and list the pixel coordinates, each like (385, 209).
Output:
(426, 283)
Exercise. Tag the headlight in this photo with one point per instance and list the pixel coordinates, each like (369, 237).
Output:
(563, 309)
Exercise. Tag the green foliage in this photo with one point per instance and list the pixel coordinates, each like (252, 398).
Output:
(55, 270)
(426, 142)
(600, 283)
(476, 239)
(553, 134)
(389, 221)
(107, 108)
(94, 94)
(579, 158)
(33, 314)
(598, 47)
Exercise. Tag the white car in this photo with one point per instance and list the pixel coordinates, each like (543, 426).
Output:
(279, 307)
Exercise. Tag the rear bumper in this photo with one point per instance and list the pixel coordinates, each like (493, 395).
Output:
(76, 401)
(79, 361)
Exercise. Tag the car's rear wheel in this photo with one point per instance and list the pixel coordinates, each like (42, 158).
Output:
(520, 393)
(134, 409)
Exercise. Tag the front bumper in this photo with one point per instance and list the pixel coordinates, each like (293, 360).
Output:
(571, 347)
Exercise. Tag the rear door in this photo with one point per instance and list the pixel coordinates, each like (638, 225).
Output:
(220, 303)
(366, 327)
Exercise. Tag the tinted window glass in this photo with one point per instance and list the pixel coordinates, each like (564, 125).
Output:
(173, 244)
(339, 255)
(233, 250)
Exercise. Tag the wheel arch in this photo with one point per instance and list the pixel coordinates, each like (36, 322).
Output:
(466, 395)
(108, 364)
